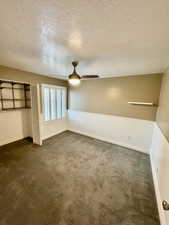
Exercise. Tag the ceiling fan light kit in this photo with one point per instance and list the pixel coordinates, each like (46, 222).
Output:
(74, 78)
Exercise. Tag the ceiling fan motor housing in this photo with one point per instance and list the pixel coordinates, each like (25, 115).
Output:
(75, 63)
(74, 76)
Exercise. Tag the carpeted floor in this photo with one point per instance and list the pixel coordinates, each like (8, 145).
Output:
(75, 180)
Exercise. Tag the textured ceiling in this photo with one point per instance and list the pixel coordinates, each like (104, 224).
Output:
(109, 37)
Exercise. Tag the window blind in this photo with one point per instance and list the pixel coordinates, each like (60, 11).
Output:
(54, 102)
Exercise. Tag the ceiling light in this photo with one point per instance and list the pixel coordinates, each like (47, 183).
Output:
(74, 81)
(74, 78)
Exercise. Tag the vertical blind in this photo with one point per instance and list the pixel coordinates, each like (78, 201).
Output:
(54, 101)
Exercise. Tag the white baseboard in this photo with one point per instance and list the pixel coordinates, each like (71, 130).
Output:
(110, 141)
(158, 195)
(50, 136)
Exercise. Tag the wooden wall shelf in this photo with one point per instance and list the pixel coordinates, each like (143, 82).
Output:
(14, 95)
(15, 99)
(15, 88)
(11, 109)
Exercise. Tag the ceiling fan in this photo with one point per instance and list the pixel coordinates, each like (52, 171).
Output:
(75, 78)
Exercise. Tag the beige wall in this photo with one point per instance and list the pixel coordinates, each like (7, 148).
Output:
(7, 73)
(163, 110)
(111, 96)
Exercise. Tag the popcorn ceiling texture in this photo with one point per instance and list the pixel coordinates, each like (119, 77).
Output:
(75, 180)
(109, 37)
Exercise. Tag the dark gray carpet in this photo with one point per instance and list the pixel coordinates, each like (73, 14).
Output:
(75, 180)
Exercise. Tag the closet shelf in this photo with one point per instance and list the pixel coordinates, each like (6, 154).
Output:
(13, 82)
(10, 109)
(26, 89)
(14, 97)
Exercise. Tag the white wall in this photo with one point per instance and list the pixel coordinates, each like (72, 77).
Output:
(159, 155)
(36, 114)
(128, 132)
(14, 125)
(53, 127)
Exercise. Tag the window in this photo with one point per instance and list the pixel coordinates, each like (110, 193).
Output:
(54, 102)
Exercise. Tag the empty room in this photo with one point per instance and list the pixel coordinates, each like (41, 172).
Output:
(84, 112)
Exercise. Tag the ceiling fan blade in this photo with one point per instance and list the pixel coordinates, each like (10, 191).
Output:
(89, 76)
